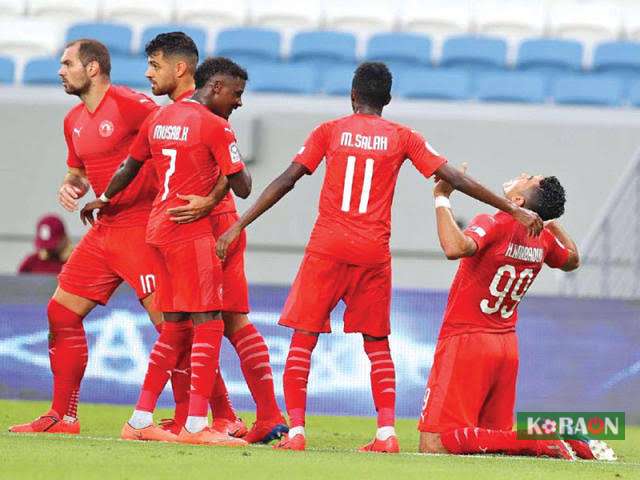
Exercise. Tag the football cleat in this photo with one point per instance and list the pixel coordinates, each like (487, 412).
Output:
(390, 445)
(554, 449)
(209, 436)
(297, 442)
(50, 422)
(265, 431)
(152, 433)
(170, 425)
(588, 449)
(233, 428)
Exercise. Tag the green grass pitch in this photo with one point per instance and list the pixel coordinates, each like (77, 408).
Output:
(98, 454)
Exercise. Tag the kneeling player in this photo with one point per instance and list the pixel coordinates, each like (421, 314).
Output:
(470, 395)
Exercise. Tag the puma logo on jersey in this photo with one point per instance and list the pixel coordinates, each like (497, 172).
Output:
(364, 142)
(77, 131)
(526, 254)
(171, 132)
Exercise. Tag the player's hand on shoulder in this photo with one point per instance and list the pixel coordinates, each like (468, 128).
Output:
(443, 188)
(196, 208)
(68, 196)
(225, 240)
(86, 214)
(529, 219)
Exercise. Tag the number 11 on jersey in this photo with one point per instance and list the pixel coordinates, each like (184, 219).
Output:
(348, 184)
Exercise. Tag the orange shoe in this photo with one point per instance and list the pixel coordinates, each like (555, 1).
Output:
(265, 431)
(152, 433)
(209, 436)
(390, 445)
(233, 428)
(50, 422)
(297, 442)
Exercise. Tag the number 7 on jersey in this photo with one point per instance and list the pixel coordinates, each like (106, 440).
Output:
(172, 154)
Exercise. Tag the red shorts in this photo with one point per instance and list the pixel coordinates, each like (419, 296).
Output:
(104, 258)
(472, 383)
(189, 277)
(235, 293)
(322, 282)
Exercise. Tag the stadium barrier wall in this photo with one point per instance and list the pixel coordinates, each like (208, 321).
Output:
(575, 354)
(587, 148)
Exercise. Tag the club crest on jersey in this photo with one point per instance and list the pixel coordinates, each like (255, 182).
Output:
(234, 151)
(106, 128)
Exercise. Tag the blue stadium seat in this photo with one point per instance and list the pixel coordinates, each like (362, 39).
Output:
(323, 47)
(129, 71)
(42, 70)
(437, 84)
(116, 36)
(634, 94)
(550, 56)
(604, 90)
(249, 44)
(400, 48)
(511, 87)
(199, 35)
(620, 58)
(337, 80)
(7, 70)
(474, 53)
(283, 78)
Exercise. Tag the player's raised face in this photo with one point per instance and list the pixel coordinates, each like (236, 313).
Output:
(517, 188)
(161, 72)
(226, 94)
(74, 75)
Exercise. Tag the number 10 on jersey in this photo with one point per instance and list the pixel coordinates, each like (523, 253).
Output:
(348, 184)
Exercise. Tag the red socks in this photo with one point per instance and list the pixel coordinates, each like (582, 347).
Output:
(220, 402)
(296, 376)
(256, 368)
(205, 357)
(481, 440)
(383, 381)
(68, 356)
(170, 346)
(181, 381)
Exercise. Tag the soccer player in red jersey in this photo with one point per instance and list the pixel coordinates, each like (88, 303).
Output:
(470, 396)
(168, 55)
(189, 148)
(98, 132)
(348, 257)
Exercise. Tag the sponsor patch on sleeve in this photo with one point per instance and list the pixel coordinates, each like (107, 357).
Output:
(478, 230)
(234, 152)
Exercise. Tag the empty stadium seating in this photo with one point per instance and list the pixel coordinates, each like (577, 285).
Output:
(490, 50)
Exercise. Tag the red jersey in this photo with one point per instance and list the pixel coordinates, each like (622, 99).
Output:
(99, 142)
(489, 285)
(364, 154)
(189, 147)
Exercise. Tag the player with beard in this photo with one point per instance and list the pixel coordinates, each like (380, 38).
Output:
(98, 132)
(172, 61)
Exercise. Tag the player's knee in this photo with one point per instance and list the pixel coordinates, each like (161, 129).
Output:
(369, 338)
(431, 443)
(233, 322)
(60, 315)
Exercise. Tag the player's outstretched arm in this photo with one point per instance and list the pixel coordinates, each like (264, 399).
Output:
(277, 189)
(455, 244)
(198, 207)
(240, 183)
(464, 183)
(123, 177)
(573, 262)
(74, 186)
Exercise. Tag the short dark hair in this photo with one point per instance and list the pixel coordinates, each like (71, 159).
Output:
(90, 50)
(548, 199)
(174, 44)
(372, 84)
(218, 65)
